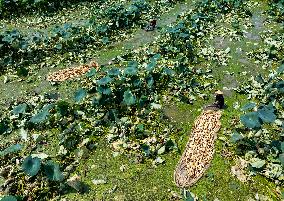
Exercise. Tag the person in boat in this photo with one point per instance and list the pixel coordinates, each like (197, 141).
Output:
(219, 101)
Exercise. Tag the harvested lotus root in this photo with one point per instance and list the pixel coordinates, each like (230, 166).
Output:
(199, 150)
(70, 73)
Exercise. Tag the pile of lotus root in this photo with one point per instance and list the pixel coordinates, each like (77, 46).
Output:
(70, 73)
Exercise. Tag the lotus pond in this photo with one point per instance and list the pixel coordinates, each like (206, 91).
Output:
(118, 131)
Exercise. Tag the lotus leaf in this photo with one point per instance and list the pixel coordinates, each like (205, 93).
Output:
(20, 109)
(31, 165)
(114, 72)
(52, 171)
(251, 120)
(257, 163)
(129, 98)
(12, 149)
(130, 71)
(266, 114)
(80, 95)
(280, 69)
(281, 158)
(9, 198)
(236, 137)
(40, 117)
(3, 127)
(248, 106)
(91, 72)
(104, 80)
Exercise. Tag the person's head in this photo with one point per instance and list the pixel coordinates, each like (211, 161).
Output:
(219, 92)
(219, 99)
(153, 22)
(94, 64)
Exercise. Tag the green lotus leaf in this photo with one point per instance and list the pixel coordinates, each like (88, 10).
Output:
(169, 72)
(251, 120)
(104, 80)
(281, 158)
(266, 114)
(40, 117)
(114, 72)
(20, 109)
(137, 83)
(151, 66)
(80, 95)
(52, 171)
(12, 149)
(146, 150)
(130, 71)
(150, 81)
(129, 98)
(132, 64)
(140, 127)
(187, 195)
(91, 72)
(22, 72)
(105, 40)
(236, 137)
(280, 69)
(9, 198)
(104, 90)
(62, 107)
(3, 127)
(31, 166)
(58, 46)
(248, 106)
(280, 86)
(259, 79)
(156, 56)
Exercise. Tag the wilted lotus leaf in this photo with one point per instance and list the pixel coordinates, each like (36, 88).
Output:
(99, 181)
(257, 163)
(52, 171)
(76, 183)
